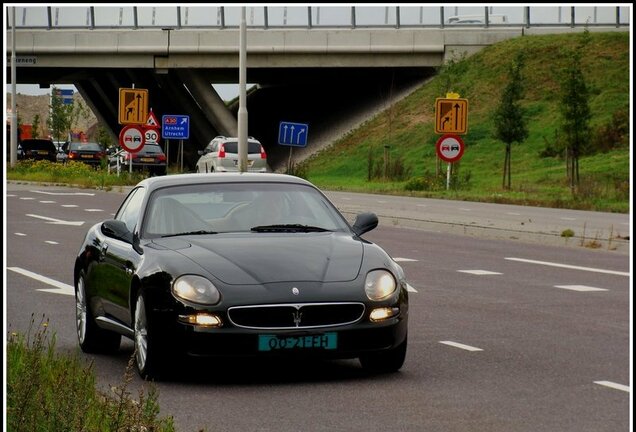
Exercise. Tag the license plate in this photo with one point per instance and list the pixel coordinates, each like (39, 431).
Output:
(87, 156)
(147, 159)
(43, 152)
(326, 341)
(249, 163)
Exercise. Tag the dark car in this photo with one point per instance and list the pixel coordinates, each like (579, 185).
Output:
(38, 149)
(150, 158)
(88, 152)
(238, 264)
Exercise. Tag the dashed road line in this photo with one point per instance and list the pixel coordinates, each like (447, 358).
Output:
(613, 385)
(479, 272)
(56, 221)
(404, 260)
(552, 264)
(461, 346)
(581, 288)
(63, 193)
(51, 242)
(93, 210)
(20, 234)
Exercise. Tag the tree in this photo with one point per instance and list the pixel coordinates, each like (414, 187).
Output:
(35, 130)
(510, 123)
(575, 110)
(59, 121)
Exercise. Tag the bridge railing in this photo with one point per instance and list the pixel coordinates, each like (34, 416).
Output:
(265, 17)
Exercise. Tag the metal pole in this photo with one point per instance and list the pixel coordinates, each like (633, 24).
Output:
(14, 113)
(448, 172)
(242, 111)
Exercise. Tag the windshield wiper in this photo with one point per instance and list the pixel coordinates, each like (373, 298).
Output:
(288, 228)
(199, 232)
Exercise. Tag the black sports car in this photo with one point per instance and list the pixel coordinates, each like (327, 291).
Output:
(238, 264)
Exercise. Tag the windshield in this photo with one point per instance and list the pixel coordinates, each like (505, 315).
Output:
(239, 207)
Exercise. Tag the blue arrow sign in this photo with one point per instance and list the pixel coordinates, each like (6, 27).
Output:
(293, 134)
(175, 126)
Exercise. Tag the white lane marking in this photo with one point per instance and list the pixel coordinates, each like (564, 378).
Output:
(64, 193)
(61, 288)
(51, 242)
(462, 346)
(381, 202)
(69, 205)
(345, 199)
(403, 260)
(568, 218)
(27, 198)
(409, 288)
(47, 202)
(513, 214)
(613, 385)
(56, 221)
(581, 288)
(479, 272)
(422, 205)
(11, 195)
(464, 209)
(590, 269)
(20, 234)
(93, 210)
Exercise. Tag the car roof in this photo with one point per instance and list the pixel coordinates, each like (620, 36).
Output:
(153, 183)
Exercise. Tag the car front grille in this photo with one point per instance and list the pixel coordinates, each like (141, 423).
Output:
(290, 316)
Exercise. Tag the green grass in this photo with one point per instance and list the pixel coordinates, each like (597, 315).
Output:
(51, 391)
(408, 130)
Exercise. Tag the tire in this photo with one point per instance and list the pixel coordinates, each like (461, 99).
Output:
(385, 361)
(91, 338)
(150, 357)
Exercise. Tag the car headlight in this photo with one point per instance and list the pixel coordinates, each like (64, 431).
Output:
(379, 284)
(196, 289)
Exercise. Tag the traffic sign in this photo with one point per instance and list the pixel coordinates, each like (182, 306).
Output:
(175, 126)
(133, 106)
(131, 138)
(451, 115)
(293, 134)
(450, 148)
(152, 121)
(151, 135)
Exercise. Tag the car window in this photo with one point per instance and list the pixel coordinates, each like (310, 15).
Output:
(85, 146)
(232, 147)
(154, 149)
(231, 207)
(129, 210)
(37, 144)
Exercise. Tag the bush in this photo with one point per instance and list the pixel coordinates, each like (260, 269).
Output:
(47, 391)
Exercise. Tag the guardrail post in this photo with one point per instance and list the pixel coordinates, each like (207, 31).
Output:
(49, 18)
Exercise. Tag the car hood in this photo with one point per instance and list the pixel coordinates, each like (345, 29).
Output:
(259, 258)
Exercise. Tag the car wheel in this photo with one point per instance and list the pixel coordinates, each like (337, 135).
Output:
(385, 361)
(148, 357)
(92, 339)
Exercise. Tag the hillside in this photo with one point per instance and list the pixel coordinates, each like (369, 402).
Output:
(407, 129)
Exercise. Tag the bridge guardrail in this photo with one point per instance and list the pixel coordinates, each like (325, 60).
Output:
(276, 17)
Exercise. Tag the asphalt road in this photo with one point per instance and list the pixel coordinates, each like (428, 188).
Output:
(504, 335)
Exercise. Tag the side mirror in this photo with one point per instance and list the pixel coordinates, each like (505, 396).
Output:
(365, 222)
(118, 230)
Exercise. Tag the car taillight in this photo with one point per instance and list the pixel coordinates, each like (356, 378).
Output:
(161, 158)
(99, 155)
(263, 154)
(72, 154)
(221, 151)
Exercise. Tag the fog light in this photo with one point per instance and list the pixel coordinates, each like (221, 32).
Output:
(202, 319)
(383, 313)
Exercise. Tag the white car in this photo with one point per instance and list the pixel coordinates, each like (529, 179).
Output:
(221, 155)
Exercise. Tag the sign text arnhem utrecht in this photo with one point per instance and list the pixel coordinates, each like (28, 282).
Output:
(173, 131)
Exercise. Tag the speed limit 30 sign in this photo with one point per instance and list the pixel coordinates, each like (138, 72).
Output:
(152, 135)
(450, 148)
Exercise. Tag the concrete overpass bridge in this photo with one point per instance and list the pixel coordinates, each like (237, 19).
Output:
(332, 75)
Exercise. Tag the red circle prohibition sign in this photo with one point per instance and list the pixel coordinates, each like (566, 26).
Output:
(450, 148)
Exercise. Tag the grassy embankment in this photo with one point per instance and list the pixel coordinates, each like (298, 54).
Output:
(407, 128)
